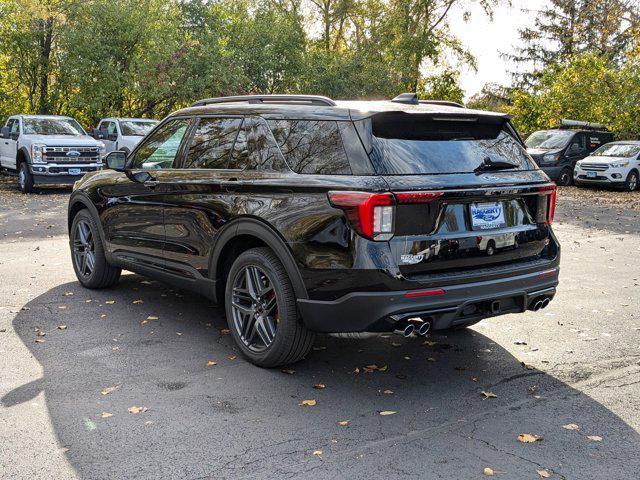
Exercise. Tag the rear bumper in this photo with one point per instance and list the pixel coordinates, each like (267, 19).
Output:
(459, 304)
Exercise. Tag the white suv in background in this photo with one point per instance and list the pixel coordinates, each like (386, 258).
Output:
(614, 164)
(122, 133)
(48, 149)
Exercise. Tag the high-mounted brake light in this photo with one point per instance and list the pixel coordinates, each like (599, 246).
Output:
(550, 191)
(417, 197)
(370, 214)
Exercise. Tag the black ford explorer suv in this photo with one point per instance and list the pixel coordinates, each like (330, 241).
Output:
(306, 215)
(557, 150)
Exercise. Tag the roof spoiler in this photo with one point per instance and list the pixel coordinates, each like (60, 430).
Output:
(270, 99)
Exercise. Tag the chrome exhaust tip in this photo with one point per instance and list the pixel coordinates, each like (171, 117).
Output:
(537, 306)
(545, 302)
(424, 328)
(407, 331)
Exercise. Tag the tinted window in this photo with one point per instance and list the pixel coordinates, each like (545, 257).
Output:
(161, 149)
(313, 147)
(14, 126)
(257, 148)
(408, 145)
(212, 143)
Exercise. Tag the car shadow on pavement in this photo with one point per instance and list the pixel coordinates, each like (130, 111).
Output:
(204, 412)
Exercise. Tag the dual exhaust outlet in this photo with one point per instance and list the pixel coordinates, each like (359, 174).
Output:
(539, 303)
(415, 326)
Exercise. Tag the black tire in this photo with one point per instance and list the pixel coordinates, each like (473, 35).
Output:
(247, 315)
(25, 178)
(631, 183)
(565, 178)
(491, 248)
(100, 274)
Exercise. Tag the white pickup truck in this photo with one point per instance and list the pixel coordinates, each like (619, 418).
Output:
(122, 133)
(48, 149)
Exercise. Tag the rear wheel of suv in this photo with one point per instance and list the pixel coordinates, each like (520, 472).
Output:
(632, 182)
(565, 178)
(261, 310)
(25, 179)
(87, 254)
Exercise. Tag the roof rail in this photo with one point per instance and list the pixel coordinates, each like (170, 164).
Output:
(443, 102)
(290, 99)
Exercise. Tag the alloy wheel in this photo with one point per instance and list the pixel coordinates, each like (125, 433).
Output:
(21, 179)
(633, 182)
(254, 308)
(84, 254)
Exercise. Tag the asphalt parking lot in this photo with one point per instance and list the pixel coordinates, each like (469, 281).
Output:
(141, 381)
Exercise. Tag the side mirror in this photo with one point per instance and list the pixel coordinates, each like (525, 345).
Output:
(98, 134)
(116, 161)
(5, 132)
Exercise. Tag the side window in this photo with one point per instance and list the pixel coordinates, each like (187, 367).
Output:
(257, 149)
(14, 126)
(578, 144)
(161, 148)
(212, 143)
(312, 147)
(111, 128)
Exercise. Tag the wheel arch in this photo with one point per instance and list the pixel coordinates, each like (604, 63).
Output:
(241, 235)
(80, 202)
(22, 156)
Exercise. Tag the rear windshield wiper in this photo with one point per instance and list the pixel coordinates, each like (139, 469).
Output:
(488, 164)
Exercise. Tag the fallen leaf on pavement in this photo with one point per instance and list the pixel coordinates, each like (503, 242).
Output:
(110, 302)
(211, 363)
(488, 472)
(136, 410)
(288, 371)
(319, 386)
(343, 423)
(232, 357)
(529, 438)
(39, 340)
(179, 334)
(106, 415)
(152, 317)
(317, 453)
(307, 403)
(387, 392)
(543, 473)
(571, 426)
(489, 394)
(62, 327)
(224, 331)
(137, 302)
(386, 413)
(595, 438)
(108, 390)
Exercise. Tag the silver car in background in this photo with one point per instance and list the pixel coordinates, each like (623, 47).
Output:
(122, 133)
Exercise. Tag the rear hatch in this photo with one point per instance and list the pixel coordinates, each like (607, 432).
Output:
(468, 197)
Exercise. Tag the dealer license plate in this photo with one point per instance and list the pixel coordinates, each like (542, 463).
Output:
(75, 171)
(487, 216)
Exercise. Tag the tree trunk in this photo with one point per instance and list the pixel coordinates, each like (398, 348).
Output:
(46, 43)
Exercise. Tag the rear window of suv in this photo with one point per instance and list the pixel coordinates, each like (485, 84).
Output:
(311, 147)
(405, 144)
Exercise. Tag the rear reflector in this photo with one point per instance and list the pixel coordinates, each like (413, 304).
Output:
(370, 214)
(424, 293)
(549, 273)
(551, 192)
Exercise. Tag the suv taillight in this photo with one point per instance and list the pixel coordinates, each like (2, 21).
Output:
(550, 191)
(371, 214)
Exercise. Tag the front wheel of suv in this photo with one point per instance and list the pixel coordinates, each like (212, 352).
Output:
(261, 310)
(87, 254)
(632, 182)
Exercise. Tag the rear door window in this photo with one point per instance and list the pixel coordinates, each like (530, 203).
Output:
(257, 148)
(311, 147)
(406, 144)
(212, 143)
